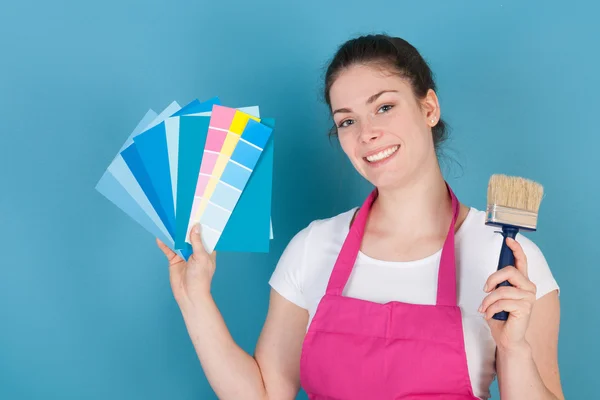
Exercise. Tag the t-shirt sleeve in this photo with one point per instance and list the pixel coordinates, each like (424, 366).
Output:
(288, 277)
(537, 267)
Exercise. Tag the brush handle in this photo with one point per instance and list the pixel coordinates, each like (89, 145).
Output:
(507, 258)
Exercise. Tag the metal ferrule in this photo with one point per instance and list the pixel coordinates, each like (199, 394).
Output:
(501, 216)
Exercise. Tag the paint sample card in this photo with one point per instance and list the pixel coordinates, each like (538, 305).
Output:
(192, 137)
(226, 126)
(126, 178)
(193, 132)
(172, 138)
(251, 219)
(173, 157)
(233, 180)
(218, 131)
(120, 187)
(152, 149)
(152, 180)
(137, 168)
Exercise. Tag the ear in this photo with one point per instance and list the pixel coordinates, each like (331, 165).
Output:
(431, 108)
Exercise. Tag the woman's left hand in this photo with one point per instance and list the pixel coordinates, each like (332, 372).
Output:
(517, 300)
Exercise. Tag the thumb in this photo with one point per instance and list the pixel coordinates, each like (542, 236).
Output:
(196, 240)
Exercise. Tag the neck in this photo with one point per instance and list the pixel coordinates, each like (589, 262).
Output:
(418, 208)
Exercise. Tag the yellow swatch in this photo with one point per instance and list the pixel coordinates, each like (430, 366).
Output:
(240, 120)
(217, 170)
(228, 146)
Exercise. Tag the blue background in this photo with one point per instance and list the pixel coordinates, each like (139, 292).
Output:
(86, 309)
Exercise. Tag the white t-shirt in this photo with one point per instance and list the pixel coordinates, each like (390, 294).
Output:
(303, 271)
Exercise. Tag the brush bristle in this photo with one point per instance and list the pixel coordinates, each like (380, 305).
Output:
(515, 192)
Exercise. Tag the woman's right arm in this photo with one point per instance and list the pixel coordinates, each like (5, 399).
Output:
(273, 373)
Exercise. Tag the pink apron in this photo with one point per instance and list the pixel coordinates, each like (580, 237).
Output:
(357, 349)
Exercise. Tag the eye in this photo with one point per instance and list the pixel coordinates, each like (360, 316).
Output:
(345, 123)
(385, 108)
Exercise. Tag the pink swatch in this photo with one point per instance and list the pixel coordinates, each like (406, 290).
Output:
(200, 186)
(208, 163)
(221, 117)
(215, 140)
(220, 122)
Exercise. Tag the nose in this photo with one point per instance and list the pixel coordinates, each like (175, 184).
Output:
(369, 131)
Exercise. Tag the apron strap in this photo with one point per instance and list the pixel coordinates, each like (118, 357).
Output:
(347, 257)
(446, 292)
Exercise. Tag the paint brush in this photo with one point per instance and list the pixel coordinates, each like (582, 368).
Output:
(512, 204)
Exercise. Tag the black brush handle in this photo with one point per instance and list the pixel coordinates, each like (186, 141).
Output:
(507, 258)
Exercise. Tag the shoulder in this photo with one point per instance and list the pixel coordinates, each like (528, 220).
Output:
(480, 244)
(323, 230)
(310, 251)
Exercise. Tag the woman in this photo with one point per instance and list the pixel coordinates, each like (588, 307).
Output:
(392, 300)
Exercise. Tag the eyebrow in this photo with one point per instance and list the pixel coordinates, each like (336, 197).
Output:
(369, 101)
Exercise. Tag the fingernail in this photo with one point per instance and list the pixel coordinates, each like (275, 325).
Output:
(480, 308)
(485, 287)
(196, 229)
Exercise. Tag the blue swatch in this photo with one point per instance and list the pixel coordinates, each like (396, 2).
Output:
(137, 168)
(245, 154)
(151, 146)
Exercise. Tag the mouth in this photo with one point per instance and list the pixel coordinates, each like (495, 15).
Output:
(382, 156)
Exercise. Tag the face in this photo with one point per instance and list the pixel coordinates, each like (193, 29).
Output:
(381, 127)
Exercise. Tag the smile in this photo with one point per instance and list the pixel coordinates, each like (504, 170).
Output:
(382, 155)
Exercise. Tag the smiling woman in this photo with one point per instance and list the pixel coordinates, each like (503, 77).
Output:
(392, 300)
(372, 88)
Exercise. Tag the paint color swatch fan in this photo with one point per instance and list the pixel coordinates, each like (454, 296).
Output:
(202, 163)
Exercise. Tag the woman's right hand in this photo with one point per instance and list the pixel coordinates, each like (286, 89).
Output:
(275, 370)
(190, 281)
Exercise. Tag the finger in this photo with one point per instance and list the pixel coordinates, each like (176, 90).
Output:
(165, 249)
(196, 240)
(505, 293)
(520, 256)
(510, 274)
(517, 308)
(172, 257)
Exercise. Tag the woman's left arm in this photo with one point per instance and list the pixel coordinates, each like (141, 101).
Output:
(527, 343)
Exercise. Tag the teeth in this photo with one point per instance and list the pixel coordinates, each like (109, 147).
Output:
(383, 154)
